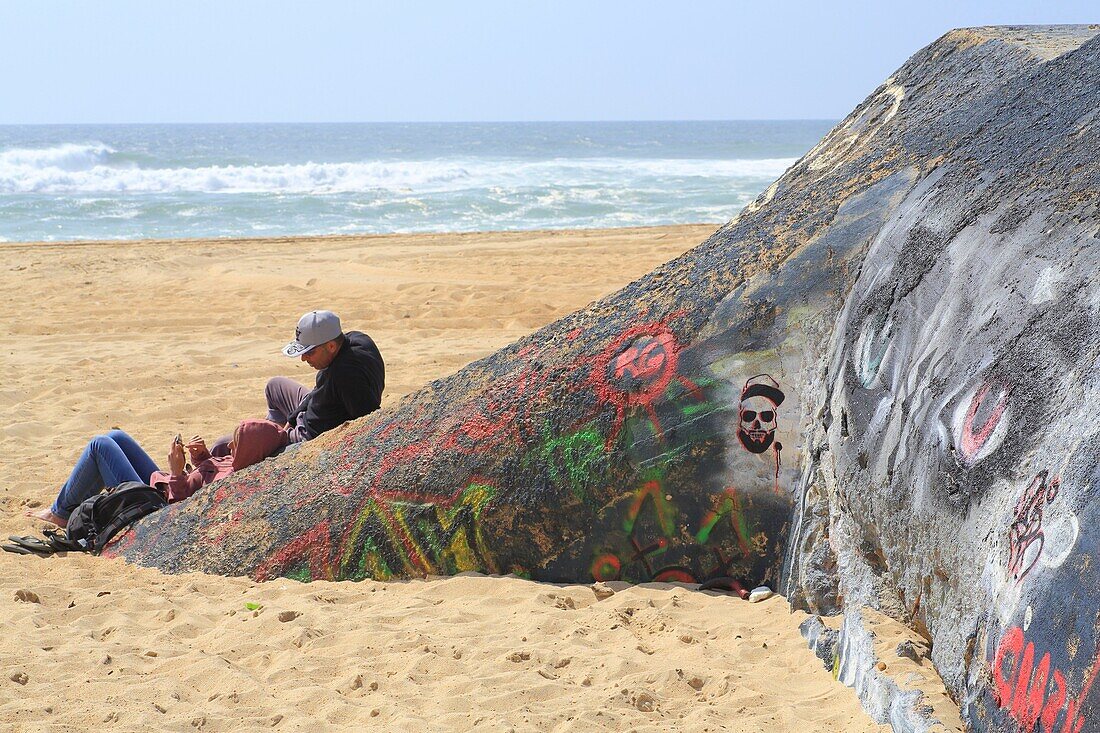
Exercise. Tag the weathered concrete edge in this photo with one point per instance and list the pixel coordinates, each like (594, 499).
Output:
(849, 653)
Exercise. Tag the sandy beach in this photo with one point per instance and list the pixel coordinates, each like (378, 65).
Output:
(160, 338)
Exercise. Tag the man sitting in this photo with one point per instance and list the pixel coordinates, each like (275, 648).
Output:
(350, 378)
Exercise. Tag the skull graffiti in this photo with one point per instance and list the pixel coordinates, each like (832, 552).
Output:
(757, 429)
(758, 414)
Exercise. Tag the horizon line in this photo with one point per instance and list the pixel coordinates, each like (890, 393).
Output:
(428, 122)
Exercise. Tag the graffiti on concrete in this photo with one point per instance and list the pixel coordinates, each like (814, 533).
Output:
(980, 422)
(573, 460)
(640, 396)
(758, 418)
(758, 414)
(632, 437)
(634, 371)
(1025, 534)
(658, 542)
(1037, 693)
(397, 534)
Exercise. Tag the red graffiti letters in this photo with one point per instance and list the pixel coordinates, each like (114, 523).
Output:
(1035, 693)
(976, 439)
(635, 369)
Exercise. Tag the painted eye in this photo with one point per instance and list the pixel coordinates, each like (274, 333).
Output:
(767, 415)
(748, 415)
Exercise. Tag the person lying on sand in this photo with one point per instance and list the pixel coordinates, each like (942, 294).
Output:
(109, 460)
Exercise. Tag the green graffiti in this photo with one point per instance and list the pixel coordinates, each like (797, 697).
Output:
(698, 407)
(730, 506)
(301, 574)
(665, 512)
(654, 545)
(573, 459)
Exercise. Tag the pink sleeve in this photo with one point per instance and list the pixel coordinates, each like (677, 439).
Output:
(181, 487)
(212, 469)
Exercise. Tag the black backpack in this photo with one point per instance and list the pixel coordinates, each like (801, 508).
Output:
(101, 517)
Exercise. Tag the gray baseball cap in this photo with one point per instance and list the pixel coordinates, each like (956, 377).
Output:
(314, 329)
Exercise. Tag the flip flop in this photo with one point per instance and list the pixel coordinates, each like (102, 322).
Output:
(17, 550)
(33, 544)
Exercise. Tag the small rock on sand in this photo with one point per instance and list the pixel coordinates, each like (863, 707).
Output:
(602, 591)
(912, 650)
(760, 593)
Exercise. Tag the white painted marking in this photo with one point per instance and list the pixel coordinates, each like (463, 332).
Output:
(1046, 285)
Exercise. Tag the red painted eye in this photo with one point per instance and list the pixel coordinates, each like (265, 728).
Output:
(767, 415)
(748, 415)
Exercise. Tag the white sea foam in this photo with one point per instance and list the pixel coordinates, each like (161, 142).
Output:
(123, 182)
(66, 157)
(74, 168)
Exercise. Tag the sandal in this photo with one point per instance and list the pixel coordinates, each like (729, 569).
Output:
(17, 550)
(33, 544)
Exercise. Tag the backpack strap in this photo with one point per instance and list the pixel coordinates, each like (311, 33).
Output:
(118, 523)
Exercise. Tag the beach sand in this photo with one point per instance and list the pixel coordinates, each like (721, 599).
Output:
(166, 337)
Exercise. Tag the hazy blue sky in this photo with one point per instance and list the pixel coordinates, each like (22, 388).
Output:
(261, 61)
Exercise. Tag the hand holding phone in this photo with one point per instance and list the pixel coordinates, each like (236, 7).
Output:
(176, 461)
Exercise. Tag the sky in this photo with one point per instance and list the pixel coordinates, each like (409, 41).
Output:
(114, 61)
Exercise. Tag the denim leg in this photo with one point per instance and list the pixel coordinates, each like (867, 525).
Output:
(139, 459)
(102, 463)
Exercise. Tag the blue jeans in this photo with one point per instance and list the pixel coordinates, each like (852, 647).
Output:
(107, 460)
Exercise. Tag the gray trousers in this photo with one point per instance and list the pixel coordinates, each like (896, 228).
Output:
(283, 396)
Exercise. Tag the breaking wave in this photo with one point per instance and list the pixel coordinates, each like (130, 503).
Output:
(66, 157)
(79, 182)
(94, 168)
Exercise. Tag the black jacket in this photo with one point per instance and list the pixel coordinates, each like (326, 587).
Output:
(348, 388)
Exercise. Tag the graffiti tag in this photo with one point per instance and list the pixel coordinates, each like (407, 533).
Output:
(1036, 693)
(981, 422)
(1025, 534)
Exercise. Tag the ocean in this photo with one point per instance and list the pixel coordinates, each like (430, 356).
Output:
(118, 182)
